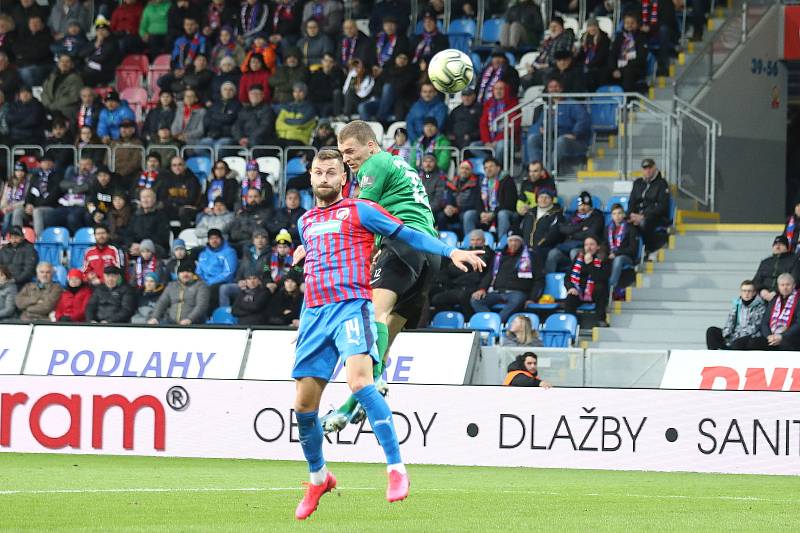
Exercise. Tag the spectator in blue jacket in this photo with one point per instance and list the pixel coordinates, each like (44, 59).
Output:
(216, 264)
(573, 127)
(115, 113)
(189, 45)
(428, 105)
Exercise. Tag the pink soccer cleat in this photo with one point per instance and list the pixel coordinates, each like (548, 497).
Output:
(398, 486)
(311, 498)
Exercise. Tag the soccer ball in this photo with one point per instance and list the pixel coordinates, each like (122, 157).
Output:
(450, 71)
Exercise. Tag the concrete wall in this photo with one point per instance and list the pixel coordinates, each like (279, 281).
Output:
(752, 107)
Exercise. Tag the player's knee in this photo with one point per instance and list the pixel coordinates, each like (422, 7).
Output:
(303, 405)
(356, 383)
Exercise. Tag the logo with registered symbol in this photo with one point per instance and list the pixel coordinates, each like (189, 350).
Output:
(177, 398)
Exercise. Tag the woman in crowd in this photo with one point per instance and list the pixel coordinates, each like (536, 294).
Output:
(148, 295)
(8, 291)
(284, 307)
(71, 306)
(12, 201)
(520, 333)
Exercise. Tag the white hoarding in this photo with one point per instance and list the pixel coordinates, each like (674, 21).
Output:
(415, 357)
(666, 430)
(729, 370)
(13, 343)
(136, 352)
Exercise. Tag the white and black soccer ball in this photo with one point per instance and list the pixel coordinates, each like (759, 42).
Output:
(450, 71)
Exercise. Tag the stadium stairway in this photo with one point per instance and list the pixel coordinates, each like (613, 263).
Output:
(689, 289)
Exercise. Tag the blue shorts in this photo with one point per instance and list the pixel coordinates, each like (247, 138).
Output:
(332, 332)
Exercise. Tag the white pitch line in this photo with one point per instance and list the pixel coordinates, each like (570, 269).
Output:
(453, 490)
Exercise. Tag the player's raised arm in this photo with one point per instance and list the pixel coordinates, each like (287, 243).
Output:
(379, 221)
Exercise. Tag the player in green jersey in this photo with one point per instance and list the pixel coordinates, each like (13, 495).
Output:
(401, 276)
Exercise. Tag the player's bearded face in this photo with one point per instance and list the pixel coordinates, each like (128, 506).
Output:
(327, 178)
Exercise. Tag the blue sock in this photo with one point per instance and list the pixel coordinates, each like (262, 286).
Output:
(311, 439)
(380, 418)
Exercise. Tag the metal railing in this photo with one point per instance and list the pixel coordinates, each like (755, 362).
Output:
(696, 145)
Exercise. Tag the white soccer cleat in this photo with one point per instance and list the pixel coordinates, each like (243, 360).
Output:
(382, 387)
(333, 422)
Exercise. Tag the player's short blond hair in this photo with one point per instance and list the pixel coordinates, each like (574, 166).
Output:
(329, 155)
(358, 130)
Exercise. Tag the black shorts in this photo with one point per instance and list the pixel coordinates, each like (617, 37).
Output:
(409, 274)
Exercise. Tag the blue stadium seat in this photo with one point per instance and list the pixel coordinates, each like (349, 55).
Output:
(295, 166)
(461, 42)
(490, 33)
(617, 199)
(222, 315)
(477, 164)
(83, 239)
(449, 238)
(463, 25)
(554, 286)
(560, 330)
(448, 320)
(52, 244)
(605, 118)
(489, 323)
(488, 236)
(201, 166)
(306, 199)
(501, 243)
(60, 275)
(533, 317)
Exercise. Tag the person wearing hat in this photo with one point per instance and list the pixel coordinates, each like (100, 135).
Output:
(113, 301)
(250, 305)
(31, 50)
(540, 223)
(185, 301)
(26, 118)
(19, 256)
(587, 221)
(513, 277)
(43, 193)
(462, 201)
(324, 134)
(99, 195)
(593, 54)
(115, 113)
(628, 56)
(288, 217)
(781, 261)
(430, 104)
(498, 69)
(220, 118)
(146, 262)
(387, 43)
(464, 122)
(37, 299)
(284, 306)
(71, 306)
(218, 217)
(432, 142)
(297, 120)
(286, 75)
(179, 255)
(649, 207)
(493, 132)
(280, 262)
(430, 42)
(744, 321)
(96, 258)
(257, 74)
(572, 75)
(147, 297)
(216, 264)
(523, 25)
(587, 280)
(12, 197)
(61, 91)
(226, 44)
(102, 56)
(255, 179)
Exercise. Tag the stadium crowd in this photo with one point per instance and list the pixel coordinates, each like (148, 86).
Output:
(276, 73)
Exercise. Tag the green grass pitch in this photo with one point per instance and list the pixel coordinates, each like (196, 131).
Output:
(104, 493)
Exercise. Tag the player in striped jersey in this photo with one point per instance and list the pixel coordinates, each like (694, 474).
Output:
(338, 320)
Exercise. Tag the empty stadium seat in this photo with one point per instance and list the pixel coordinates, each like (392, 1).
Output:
(463, 25)
(127, 77)
(560, 330)
(605, 118)
(554, 286)
(295, 167)
(60, 275)
(201, 166)
(337, 126)
(571, 23)
(488, 236)
(136, 61)
(83, 239)
(238, 164)
(490, 33)
(390, 131)
(533, 317)
(363, 25)
(448, 320)
(306, 199)
(488, 323)
(449, 238)
(189, 236)
(271, 166)
(52, 244)
(137, 100)
(460, 41)
(160, 66)
(222, 315)
(377, 128)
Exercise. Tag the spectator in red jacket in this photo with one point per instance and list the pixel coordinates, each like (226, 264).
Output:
(125, 26)
(257, 74)
(100, 256)
(71, 306)
(492, 132)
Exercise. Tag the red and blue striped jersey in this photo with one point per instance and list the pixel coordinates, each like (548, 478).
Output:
(339, 240)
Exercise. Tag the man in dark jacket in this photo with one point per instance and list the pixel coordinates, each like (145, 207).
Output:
(462, 201)
(62, 89)
(258, 257)
(459, 285)
(571, 75)
(26, 119)
(44, 192)
(522, 372)
(288, 216)
(540, 224)
(587, 281)
(354, 44)
(649, 207)
(250, 306)
(463, 123)
(19, 256)
(112, 302)
(628, 56)
(149, 222)
(435, 183)
(31, 48)
(780, 328)
(220, 118)
(586, 222)
(780, 262)
(512, 278)
(499, 198)
(325, 87)
(255, 124)
(180, 193)
(254, 214)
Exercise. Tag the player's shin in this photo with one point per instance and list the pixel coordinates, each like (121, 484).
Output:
(310, 431)
(380, 418)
